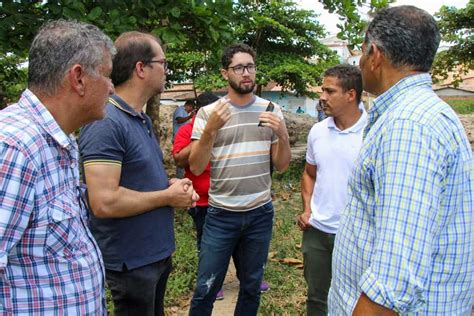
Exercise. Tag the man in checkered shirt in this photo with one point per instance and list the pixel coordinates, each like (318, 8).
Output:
(49, 262)
(404, 244)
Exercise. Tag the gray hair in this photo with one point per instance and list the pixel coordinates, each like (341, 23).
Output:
(61, 44)
(406, 35)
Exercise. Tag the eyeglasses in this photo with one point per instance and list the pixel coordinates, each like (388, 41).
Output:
(240, 69)
(163, 63)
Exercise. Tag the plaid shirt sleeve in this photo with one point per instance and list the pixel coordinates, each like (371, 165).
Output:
(408, 176)
(17, 191)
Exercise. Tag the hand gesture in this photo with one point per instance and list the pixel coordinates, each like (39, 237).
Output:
(277, 124)
(219, 116)
(182, 194)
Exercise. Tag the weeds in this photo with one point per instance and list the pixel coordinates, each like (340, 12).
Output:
(462, 106)
(288, 288)
(183, 276)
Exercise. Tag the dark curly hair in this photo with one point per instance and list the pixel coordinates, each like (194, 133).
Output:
(230, 51)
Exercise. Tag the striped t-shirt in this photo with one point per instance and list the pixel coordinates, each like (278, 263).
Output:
(240, 157)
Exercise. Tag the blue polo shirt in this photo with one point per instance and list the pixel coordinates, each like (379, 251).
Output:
(126, 138)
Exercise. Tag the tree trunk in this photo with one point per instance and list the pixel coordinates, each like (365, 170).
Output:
(153, 111)
(259, 90)
(3, 100)
(195, 92)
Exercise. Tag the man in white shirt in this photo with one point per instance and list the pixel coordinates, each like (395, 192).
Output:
(333, 146)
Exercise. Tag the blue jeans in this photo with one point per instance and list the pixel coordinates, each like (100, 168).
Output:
(246, 235)
(198, 214)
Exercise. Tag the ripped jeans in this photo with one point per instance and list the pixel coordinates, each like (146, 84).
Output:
(244, 235)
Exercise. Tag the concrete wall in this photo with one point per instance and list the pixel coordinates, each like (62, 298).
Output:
(451, 92)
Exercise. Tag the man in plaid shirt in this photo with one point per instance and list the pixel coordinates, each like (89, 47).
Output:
(49, 261)
(404, 244)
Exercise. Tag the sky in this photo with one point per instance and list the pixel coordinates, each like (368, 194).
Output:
(330, 20)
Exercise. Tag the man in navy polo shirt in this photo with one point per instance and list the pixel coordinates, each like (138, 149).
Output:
(129, 193)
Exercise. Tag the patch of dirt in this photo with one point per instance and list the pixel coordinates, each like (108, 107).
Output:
(223, 307)
(467, 121)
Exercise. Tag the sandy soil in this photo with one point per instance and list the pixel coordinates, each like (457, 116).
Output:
(467, 121)
(224, 307)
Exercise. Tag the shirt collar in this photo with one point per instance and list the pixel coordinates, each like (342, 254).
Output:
(30, 102)
(354, 128)
(243, 105)
(386, 99)
(120, 104)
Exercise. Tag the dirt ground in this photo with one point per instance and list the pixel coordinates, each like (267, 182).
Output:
(224, 307)
(467, 121)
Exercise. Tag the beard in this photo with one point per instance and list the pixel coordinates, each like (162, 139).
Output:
(241, 90)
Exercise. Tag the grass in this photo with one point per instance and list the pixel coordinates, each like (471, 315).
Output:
(288, 288)
(462, 106)
(183, 276)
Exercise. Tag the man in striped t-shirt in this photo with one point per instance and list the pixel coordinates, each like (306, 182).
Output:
(238, 134)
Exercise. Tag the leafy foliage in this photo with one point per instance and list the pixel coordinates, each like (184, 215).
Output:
(194, 27)
(195, 32)
(456, 27)
(285, 38)
(353, 24)
(12, 78)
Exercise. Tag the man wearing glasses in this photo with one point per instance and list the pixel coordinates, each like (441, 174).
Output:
(239, 134)
(129, 193)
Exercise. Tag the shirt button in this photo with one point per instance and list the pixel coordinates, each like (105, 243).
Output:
(73, 164)
(144, 122)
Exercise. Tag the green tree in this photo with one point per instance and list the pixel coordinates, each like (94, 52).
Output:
(195, 58)
(12, 78)
(351, 14)
(286, 40)
(456, 27)
(186, 27)
(195, 32)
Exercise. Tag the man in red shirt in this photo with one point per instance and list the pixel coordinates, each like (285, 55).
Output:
(181, 150)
